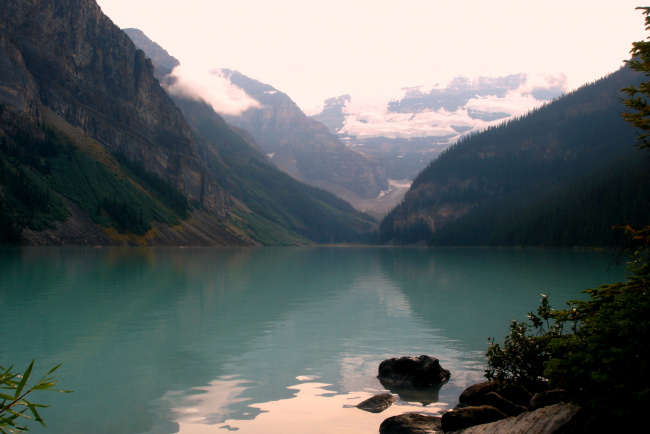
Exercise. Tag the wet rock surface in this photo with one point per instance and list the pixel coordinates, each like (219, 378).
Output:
(417, 372)
(377, 403)
(411, 423)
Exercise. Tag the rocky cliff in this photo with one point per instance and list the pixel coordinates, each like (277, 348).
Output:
(93, 150)
(89, 72)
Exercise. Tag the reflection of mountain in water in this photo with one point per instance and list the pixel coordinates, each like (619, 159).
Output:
(154, 333)
(338, 334)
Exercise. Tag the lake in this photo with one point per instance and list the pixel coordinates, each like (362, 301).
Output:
(263, 340)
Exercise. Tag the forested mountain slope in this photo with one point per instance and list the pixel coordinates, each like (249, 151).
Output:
(94, 151)
(562, 175)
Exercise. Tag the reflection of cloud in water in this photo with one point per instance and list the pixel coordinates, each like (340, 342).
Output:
(312, 408)
(333, 347)
(210, 404)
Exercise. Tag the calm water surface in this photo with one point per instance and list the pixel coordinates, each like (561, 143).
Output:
(263, 340)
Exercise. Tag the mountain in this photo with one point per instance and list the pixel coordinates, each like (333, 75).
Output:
(302, 146)
(271, 121)
(163, 62)
(94, 151)
(562, 175)
(414, 127)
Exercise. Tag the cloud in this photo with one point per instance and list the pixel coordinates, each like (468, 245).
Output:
(543, 86)
(211, 87)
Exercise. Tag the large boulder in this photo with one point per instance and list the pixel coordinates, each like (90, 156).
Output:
(377, 403)
(546, 398)
(418, 372)
(503, 405)
(475, 394)
(470, 416)
(411, 423)
(554, 419)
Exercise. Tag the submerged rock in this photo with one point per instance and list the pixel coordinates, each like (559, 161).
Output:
(411, 423)
(377, 403)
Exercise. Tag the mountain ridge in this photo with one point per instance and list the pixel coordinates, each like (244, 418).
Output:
(493, 188)
(304, 147)
(91, 144)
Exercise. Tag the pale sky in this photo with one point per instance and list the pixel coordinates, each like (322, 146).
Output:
(317, 49)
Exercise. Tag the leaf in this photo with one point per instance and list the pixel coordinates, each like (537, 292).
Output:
(52, 370)
(37, 417)
(6, 397)
(21, 386)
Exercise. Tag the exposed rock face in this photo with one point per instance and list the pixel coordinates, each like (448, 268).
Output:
(377, 403)
(84, 119)
(411, 423)
(548, 420)
(422, 371)
(17, 87)
(162, 61)
(86, 70)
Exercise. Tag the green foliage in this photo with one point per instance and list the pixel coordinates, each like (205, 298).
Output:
(603, 362)
(14, 404)
(38, 169)
(283, 211)
(560, 176)
(638, 95)
(527, 349)
(167, 193)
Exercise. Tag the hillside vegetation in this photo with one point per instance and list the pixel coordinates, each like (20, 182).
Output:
(560, 176)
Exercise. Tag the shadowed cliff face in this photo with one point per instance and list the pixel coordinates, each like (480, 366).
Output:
(74, 60)
(94, 151)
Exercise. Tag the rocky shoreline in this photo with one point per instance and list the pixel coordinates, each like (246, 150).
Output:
(487, 408)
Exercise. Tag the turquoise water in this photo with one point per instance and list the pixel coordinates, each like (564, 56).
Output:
(165, 340)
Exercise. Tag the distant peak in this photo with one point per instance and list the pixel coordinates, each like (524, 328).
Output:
(158, 55)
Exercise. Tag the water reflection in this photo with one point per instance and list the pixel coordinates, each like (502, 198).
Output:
(261, 340)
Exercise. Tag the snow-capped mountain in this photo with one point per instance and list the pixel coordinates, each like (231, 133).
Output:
(409, 131)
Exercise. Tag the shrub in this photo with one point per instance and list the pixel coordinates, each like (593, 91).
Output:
(13, 401)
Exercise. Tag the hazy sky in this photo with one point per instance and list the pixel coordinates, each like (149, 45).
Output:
(317, 49)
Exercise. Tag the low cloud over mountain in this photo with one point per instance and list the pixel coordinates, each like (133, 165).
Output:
(422, 121)
(212, 87)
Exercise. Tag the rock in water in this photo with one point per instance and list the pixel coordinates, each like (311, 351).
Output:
(377, 403)
(423, 371)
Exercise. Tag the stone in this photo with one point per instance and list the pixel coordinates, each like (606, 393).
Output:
(423, 371)
(377, 403)
(411, 423)
(557, 418)
(546, 398)
(504, 405)
(475, 393)
(466, 417)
